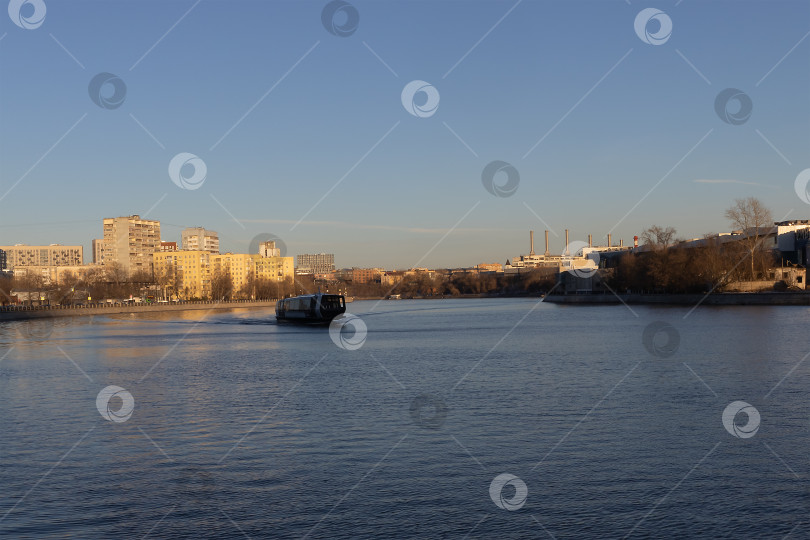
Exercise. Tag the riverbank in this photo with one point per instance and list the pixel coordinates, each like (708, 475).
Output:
(43, 312)
(722, 299)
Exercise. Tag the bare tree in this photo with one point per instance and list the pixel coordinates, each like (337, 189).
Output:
(65, 287)
(116, 277)
(221, 285)
(30, 282)
(754, 220)
(658, 237)
(6, 285)
(96, 283)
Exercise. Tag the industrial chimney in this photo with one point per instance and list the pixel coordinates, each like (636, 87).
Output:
(547, 252)
(566, 244)
(621, 242)
(610, 241)
(635, 241)
(531, 242)
(590, 240)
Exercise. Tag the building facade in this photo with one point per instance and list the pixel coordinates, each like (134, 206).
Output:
(185, 274)
(51, 275)
(199, 239)
(791, 240)
(52, 255)
(489, 267)
(130, 241)
(269, 249)
(392, 278)
(320, 263)
(367, 275)
(189, 273)
(98, 251)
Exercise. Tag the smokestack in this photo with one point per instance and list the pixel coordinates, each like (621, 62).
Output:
(531, 242)
(621, 242)
(547, 252)
(635, 241)
(610, 244)
(566, 243)
(590, 241)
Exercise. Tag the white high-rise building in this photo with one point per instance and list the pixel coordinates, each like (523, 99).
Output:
(269, 249)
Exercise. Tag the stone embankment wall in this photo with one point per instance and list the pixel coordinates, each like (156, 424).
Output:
(724, 299)
(35, 312)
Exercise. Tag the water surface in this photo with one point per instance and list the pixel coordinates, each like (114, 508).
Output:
(245, 428)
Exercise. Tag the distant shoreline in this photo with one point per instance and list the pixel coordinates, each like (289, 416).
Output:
(78, 311)
(720, 299)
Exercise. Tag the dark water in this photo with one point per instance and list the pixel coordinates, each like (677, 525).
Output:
(243, 428)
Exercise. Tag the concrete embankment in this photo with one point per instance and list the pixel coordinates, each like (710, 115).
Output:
(723, 299)
(17, 314)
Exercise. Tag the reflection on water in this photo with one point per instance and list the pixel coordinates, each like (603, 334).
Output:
(240, 425)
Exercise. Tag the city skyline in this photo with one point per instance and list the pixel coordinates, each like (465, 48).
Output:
(257, 246)
(306, 135)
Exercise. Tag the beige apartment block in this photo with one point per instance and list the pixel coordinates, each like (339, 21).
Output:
(52, 255)
(188, 274)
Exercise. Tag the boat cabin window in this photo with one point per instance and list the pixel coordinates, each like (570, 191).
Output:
(331, 302)
(299, 304)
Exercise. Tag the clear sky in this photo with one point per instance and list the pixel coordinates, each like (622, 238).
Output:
(304, 135)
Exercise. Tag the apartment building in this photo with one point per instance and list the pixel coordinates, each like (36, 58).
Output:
(199, 239)
(189, 273)
(131, 241)
(98, 251)
(312, 263)
(53, 255)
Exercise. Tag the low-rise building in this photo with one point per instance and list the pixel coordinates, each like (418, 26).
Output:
(791, 240)
(391, 278)
(366, 275)
(792, 277)
(489, 267)
(49, 275)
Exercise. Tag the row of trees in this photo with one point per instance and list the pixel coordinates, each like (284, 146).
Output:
(710, 267)
(97, 283)
(111, 282)
(222, 287)
(422, 284)
(667, 268)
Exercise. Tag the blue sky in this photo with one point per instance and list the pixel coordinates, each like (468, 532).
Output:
(628, 134)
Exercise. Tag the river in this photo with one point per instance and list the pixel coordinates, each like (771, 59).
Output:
(455, 418)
